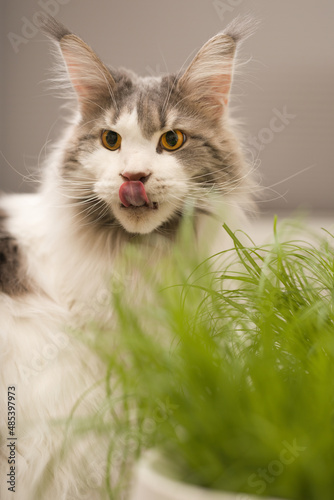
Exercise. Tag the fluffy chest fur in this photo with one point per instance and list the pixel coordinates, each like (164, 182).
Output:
(138, 156)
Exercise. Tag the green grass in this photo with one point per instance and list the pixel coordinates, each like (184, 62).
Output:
(228, 369)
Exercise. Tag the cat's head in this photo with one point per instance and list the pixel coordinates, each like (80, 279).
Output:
(143, 149)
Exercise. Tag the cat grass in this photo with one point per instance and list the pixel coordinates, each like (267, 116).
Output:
(228, 369)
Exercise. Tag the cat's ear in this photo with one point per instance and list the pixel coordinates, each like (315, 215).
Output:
(208, 79)
(89, 77)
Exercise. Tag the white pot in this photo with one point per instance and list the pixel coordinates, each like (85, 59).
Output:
(151, 484)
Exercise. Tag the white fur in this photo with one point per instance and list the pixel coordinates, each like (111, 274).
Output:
(48, 366)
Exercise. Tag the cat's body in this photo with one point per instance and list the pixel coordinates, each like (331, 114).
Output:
(138, 153)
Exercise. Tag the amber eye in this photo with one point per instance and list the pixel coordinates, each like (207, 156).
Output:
(111, 140)
(172, 140)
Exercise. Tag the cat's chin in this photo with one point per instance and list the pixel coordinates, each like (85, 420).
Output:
(141, 220)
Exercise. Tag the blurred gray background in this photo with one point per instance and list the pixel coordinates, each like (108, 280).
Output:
(284, 94)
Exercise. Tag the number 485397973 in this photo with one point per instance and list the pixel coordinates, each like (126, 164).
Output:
(11, 410)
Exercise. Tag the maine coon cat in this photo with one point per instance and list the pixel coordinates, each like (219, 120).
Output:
(137, 153)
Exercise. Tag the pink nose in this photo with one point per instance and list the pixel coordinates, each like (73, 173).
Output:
(135, 176)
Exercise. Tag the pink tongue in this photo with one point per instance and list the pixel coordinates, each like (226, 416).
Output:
(133, 193)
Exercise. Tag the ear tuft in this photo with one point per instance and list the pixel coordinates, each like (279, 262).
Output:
(53, 28)
(241, 28)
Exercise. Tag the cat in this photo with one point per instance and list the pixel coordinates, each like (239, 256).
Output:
(138, 154)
